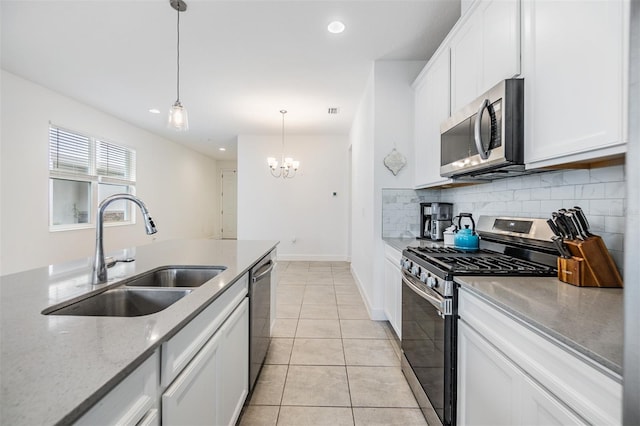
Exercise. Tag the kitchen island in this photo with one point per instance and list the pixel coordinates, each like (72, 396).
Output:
(54, 368)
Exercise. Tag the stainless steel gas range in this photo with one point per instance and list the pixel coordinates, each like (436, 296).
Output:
(508, 247)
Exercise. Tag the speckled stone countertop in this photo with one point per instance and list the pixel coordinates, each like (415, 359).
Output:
(53, 368)
(586, 319)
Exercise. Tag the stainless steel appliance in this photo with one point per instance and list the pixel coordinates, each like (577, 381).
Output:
(441, 217)
(259, 315)
(484, 139)
(508, 247)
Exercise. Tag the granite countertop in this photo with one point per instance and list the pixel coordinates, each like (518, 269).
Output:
(53, 368)
(586, 319)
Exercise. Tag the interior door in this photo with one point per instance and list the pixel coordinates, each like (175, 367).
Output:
(229, 211)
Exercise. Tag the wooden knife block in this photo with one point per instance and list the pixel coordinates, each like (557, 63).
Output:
(590, 266)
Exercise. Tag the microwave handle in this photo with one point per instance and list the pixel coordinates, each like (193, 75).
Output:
(477, 136)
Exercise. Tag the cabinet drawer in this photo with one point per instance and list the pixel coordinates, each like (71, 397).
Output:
(130, 401)
(181, 348)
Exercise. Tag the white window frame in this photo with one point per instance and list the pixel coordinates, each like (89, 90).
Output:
(95, 179)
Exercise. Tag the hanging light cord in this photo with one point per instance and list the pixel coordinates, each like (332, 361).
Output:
(178, 57)
(283, 112)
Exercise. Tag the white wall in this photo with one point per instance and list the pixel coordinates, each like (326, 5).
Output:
(302, 208)
(177, 184)
(384, 121)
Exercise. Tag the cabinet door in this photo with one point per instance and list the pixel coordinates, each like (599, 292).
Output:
(234, 366)
(191, 399)
(485, 50)
(132, 401)
(489, 385)
(466, 62)
(392, 295)
(431, 109)
(575, 79)
(540, 408)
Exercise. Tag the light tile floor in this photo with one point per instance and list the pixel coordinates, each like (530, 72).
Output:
(328, 364)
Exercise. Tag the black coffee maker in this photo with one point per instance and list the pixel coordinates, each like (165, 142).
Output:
(425, 221)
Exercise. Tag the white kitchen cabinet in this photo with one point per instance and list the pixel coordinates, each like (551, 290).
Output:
(509, 374)
(213, 386)
(133, 400)
(393, 288)
(575, 58)
(233, 368)
(178, 351)
(431, 103)
(485, 49)
(492, 390)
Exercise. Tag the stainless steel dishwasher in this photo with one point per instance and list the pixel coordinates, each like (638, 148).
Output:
(259, 316)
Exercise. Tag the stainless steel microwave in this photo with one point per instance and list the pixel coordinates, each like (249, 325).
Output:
(484, 139)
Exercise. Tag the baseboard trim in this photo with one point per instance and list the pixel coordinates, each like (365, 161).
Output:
(374, 314)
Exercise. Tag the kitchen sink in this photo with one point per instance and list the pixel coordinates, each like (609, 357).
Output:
(175, 276)
(122, 301)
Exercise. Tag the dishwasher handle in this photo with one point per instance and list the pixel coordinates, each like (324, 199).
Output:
(270, 265)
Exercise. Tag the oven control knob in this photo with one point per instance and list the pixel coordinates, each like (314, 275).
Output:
(432, 282)
(406, 263)
(424, 277)
(415, 270)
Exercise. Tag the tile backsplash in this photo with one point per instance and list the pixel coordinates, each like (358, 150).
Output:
(600, 192)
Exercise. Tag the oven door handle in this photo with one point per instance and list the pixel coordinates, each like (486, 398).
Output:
(442, 304)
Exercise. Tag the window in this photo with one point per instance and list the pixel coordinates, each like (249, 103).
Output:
(83, 171)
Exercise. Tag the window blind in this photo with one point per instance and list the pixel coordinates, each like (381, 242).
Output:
(115, 161)
(69, 152)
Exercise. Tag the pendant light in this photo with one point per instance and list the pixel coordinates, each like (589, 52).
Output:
(288, 166)
(178, 118)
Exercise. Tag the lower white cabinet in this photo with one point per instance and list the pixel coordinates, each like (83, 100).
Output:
(511, 375)
(213, 386)
(393, 289)
(492, 390)
(133, 401)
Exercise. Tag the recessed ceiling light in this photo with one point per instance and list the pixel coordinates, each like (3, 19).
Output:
(336, 27)
(154, 111)
(222, 149)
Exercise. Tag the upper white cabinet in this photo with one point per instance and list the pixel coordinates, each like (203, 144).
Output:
(431, 109)
(575, 73)
(485, 49)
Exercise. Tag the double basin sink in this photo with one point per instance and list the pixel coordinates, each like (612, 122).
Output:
(143, 294)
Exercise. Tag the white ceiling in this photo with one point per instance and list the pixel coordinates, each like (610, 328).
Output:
(241, 61)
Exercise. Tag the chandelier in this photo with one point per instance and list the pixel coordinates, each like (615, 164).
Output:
(288, 166)
(178, 118)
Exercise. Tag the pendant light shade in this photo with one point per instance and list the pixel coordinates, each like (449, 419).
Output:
(178, 117)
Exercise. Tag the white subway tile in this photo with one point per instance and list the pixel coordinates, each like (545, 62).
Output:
(614, 224)
(615, 190)
(573, 177)
(590, 191)
(540, 193)
(606, 207)
(607, 174)
(551, 179)
(613, 241)
(522, 194)
(562, 192)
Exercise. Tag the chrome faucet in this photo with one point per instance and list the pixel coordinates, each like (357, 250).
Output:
(99, 274)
